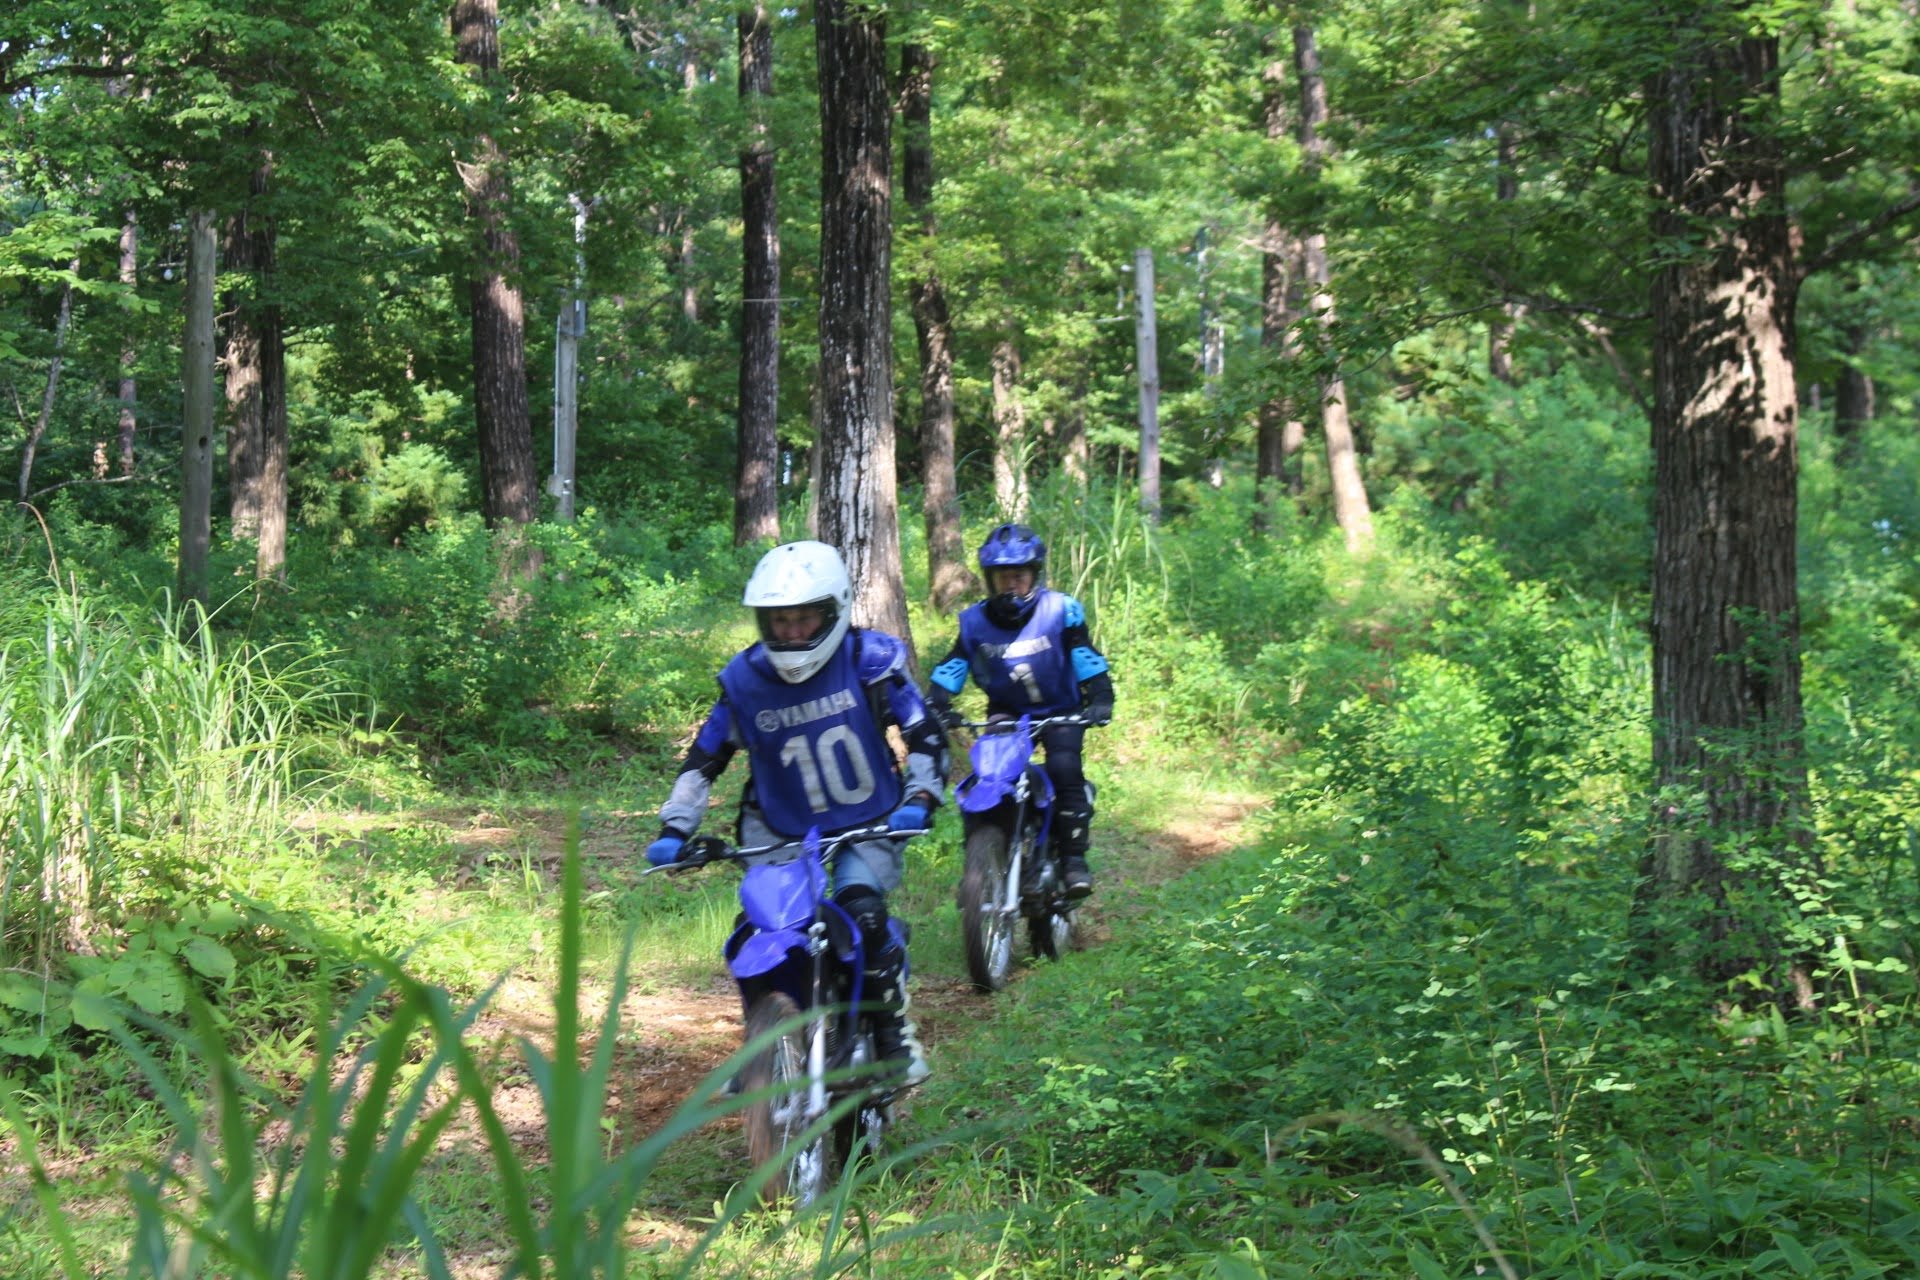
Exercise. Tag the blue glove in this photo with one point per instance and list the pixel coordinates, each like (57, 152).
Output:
(908, 817)
(665, 851)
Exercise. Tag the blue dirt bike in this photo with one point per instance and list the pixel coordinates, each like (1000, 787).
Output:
(1010, 875)
(795, 951)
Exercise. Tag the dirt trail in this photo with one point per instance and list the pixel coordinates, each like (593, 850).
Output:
(671, 1039)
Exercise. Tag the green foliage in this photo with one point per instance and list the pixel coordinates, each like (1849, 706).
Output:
(469, 662)
(134, 763)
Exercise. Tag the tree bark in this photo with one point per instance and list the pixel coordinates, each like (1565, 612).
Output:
(129, 398)
(1500, 330)
(60, 326)
(858, 510)
(1009, 432)
(1728, 750)
(1350, 506)
(196, 424)
(1853, 406)
(756, 491)
(248, 251)
(1282, 431)
(1146, 347)
(509, 489)
(950, 579)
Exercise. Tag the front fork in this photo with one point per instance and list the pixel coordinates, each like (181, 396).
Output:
(817, 1033)
(1017, 847)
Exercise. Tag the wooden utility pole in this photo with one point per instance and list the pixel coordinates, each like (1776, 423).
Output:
(1147, 357)
(196, 426)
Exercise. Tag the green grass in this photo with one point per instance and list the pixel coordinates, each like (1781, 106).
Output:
(1361, 1002)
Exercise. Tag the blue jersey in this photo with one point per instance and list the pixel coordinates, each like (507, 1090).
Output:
(1028, 669)
(818, 755)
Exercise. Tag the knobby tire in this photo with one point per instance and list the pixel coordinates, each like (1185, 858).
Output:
(772, 1122)
(987, 934)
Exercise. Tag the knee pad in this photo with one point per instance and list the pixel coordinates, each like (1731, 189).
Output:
(869, 911)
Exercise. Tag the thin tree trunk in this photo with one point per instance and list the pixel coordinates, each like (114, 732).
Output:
(1853, 398)
(247, 251)
(858, 510)
(1076, 454)
(1726, 630)
(1146, 347)
(196, 425)
(509, 489)
(756, 491)
(1009, 432)
(129, 399)
(1350, 506)
(689, 282)
(949, 578)
(60, 325)
(1500, 330)
(1282, 431)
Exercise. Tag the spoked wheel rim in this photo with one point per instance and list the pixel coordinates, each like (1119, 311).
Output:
(986, 928)
(775, 1122)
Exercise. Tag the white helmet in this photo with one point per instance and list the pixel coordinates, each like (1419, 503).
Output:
(795, 575)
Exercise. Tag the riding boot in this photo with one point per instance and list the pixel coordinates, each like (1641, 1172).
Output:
(895, 1041)
(1070, 840)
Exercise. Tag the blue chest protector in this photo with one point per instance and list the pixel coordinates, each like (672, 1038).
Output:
(1024, 670)
(817, 755)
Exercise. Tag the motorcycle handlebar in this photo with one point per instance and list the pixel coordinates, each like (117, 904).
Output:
(1033, 726)
(700, 850)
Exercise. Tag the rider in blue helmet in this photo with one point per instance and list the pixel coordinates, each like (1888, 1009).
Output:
(1028, 647)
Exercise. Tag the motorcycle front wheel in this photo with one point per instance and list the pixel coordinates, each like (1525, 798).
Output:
(776, 1121)
(985, 928)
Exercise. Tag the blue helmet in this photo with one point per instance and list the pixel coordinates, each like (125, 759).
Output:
(1013, 546)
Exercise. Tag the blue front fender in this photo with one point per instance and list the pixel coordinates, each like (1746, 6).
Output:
(764, 952)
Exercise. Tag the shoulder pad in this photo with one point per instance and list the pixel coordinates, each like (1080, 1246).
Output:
(878, 656)
(1087, 664)
(951, 675)
(1076, 616)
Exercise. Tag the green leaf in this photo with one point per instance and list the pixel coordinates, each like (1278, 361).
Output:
(25, 1046)
(208, 958)
(93, 1008)
(1795, 1253)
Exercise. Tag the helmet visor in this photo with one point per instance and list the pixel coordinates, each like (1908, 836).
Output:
(796, 628)
(1015, 580)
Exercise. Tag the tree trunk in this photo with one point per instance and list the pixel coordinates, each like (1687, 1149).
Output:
(1500, 331)
(1076, 453)
(756, 491)
(1009, 432)
(247, 251)
(858, 508)
(950, 580)
(60, 326)
(1146, 348)
(1282, 430)
(1728, 750)
(1350, 506)
(1853, 406)
(196, 424)
(509, 489)
(129, 402)
(256, 396)
(689, 279)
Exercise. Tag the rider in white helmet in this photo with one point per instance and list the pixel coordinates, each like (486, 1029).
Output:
(810, 704)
